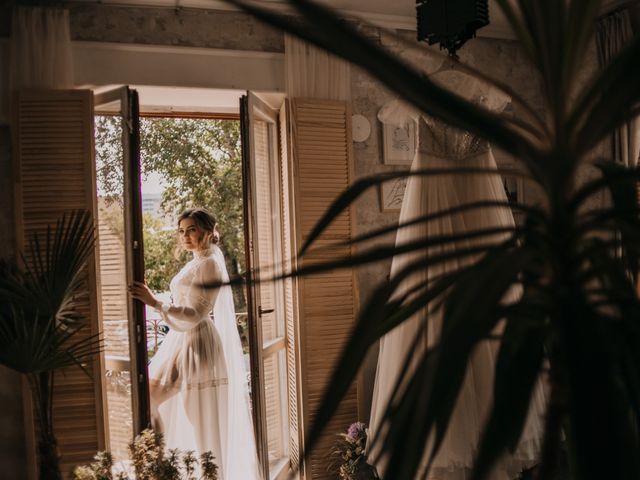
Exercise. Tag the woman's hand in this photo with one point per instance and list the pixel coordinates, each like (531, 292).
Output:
(140, 291)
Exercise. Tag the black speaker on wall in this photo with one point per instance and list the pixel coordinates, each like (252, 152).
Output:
(450, 22)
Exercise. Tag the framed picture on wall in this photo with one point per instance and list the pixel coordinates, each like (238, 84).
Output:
(399, 143)
(391, 194)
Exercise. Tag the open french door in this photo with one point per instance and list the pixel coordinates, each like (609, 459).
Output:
(121, 261)
(268, 302)
(298, 327)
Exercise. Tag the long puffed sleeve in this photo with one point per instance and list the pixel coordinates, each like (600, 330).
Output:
(197, 303)
(397, 112)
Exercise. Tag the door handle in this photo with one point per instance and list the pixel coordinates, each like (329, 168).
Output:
(265, 311)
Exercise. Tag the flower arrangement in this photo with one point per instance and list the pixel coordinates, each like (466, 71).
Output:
(349, 457)
(150, 462)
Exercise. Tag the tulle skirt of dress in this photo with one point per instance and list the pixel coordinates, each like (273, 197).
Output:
(193, 364)
(427, 195)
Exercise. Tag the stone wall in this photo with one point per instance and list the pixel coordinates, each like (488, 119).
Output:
(185, 27)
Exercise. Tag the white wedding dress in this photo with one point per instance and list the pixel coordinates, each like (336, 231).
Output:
(202, 360)
(443, 146)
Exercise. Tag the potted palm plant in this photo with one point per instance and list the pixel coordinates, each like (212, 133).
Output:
(578, 317)
(41, 323)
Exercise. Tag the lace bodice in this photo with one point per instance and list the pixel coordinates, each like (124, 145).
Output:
(438, 138)
(191, 302)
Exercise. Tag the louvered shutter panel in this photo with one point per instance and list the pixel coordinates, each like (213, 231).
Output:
(114, 324)
(327, 302)
(266, 230)
(289, 248)
(54, 174)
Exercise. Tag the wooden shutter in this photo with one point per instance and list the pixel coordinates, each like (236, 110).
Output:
(54, 174)
(267, 310)
(290, 290)
(327, 302)
(267, 226)
(115, 327)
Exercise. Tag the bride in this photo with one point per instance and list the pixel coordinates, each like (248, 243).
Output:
(198, 389)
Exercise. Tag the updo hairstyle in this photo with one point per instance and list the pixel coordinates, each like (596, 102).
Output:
(204, 220)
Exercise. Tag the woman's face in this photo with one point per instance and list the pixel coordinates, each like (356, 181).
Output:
(190, 234)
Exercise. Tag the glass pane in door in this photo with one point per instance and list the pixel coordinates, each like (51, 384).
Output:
(271, 317)
(113, 282)
(275, 384)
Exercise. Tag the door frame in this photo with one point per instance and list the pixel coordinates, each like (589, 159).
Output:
(129, 109)
(254, 333)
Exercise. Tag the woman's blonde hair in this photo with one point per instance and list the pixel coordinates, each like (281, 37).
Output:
(205, 221)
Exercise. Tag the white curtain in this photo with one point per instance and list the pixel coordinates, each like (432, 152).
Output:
(40, 49)
(612, 34)
(313, 73)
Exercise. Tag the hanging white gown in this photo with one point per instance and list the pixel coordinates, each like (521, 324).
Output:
(443, 146)
(202, 360)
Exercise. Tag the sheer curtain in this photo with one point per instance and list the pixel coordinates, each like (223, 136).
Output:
(313, 73)
(612, 34)
(39, 51)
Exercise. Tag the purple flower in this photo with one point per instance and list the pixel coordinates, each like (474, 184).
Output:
(356, 430)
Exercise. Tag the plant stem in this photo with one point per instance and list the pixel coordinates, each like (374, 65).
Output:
(48, 457)
(554, 419)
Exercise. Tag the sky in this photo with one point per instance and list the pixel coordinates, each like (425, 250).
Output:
(152, 184)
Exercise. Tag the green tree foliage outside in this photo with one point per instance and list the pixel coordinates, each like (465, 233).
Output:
(200, 163)
(160, 264)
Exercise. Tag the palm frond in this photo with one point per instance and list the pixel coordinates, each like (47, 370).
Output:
(517, 373)
(431, 217)
(40, 314)
(360, 186)
(596, 114)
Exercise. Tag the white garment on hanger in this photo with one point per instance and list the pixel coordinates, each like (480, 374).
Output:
(443, 146)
